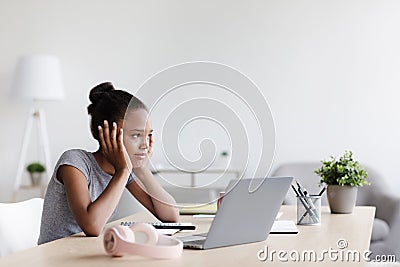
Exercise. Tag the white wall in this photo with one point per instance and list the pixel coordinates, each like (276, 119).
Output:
(329, 69)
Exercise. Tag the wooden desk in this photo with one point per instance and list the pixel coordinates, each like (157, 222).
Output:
(88, 251)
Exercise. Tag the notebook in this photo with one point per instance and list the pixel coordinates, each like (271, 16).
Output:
(199, 209)
(284, 227)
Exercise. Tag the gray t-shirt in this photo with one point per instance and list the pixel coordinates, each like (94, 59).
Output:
(57, 218)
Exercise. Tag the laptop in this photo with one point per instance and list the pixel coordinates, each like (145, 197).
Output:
(245, 215)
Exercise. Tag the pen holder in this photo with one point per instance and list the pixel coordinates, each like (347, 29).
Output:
(309, 210)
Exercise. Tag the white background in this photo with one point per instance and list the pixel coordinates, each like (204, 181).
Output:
(330, 70)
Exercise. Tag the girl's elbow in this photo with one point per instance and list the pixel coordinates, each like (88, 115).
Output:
(92, 230)
(175, 215)
(171, 216)
(91, 233)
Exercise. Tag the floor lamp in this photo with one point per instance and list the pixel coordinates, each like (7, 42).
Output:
(37, 78)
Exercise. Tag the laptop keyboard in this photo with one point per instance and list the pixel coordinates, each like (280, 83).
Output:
(194, 243)
(190, 238)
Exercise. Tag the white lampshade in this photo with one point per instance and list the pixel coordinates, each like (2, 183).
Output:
(38, 78)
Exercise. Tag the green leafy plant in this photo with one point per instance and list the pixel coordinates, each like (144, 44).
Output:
(35, 167)
(344, 171)
(224, 153)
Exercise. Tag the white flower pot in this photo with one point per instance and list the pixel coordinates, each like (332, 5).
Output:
(36, 178)
(342, 199)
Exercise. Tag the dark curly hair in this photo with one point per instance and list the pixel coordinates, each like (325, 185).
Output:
(108, 103)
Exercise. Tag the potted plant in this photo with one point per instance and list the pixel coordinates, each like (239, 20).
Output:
(224, 159)
(35, 170)
(343, 177)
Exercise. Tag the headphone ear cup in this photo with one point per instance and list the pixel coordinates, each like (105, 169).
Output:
(126, 233)
(114, 238)
(149, 230)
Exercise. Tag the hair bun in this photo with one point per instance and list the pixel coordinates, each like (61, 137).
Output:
(97, 93)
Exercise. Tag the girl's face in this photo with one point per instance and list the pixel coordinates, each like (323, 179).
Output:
(137, 135)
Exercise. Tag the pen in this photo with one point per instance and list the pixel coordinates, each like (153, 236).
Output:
(302, 201)
(302, 217)
(308, 211)
(307, 204)
(301, 195)
(310, 202)
(322, 191)
(314, 209)
(295, 191)
(315, 217)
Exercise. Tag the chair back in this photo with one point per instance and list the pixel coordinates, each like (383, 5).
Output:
(303, 172)
(19, 225)
(379, 186)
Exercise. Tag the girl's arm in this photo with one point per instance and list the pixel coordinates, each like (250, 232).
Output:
(153, 197)
(92, 216)
(150, 193)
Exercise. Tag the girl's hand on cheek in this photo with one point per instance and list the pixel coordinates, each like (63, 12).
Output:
(140, 166)
(139, 163)
(113, 148)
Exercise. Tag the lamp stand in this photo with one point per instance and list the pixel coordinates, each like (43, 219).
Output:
(36, 116)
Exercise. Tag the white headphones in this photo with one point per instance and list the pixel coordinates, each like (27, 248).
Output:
(120, 240)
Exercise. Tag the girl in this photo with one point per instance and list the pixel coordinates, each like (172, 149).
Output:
(86, 187)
